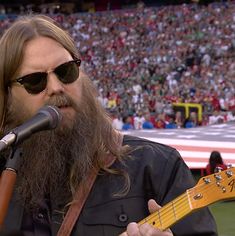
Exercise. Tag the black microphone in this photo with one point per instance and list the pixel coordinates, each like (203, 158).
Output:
(48, 117)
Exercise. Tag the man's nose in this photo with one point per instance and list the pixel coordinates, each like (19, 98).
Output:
(54, 85)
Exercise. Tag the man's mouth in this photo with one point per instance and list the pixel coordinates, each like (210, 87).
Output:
(63, 106)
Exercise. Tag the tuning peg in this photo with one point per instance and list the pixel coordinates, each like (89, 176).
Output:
(218, 177)
(218, 169)
(229, 173)
(229, 166)
(207, 180)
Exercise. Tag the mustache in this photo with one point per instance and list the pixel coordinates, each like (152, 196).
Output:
(61, 101)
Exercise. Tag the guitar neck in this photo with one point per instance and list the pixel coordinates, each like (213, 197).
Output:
(221, 185)
(170, 213)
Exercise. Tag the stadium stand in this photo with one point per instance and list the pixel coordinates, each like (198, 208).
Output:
(147, 59)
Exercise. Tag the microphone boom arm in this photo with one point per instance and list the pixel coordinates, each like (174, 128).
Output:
(47, 118)
(7, 182)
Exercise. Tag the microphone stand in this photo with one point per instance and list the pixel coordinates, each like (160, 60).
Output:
(7, 182)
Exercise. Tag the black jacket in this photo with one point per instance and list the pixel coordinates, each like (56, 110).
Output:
(156, 171)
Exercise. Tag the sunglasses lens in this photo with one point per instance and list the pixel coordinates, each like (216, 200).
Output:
(34, 83)
(67, 72)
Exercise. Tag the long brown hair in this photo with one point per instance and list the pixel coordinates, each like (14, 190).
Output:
(12, 45)
(106, 140)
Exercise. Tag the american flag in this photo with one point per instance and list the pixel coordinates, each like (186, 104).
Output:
(196, 144)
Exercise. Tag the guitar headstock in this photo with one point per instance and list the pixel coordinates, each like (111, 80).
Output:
(213, 188)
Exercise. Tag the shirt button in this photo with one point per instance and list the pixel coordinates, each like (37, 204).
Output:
(123, 217)
(40, 216)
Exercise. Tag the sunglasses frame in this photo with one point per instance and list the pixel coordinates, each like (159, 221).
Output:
(21, 79)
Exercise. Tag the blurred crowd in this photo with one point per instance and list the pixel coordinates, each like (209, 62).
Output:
(144, 60)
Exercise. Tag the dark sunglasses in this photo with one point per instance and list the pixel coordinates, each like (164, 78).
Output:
(36, 82)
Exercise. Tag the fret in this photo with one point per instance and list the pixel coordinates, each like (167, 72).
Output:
(170, 213)
(173, 209)
(180, 209)
(159, 218)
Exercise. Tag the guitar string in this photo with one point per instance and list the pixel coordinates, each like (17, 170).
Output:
(181, 200)
(179, 203)
(164, 212)
(183, 204)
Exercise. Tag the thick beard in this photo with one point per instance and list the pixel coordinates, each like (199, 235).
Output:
(50, 157)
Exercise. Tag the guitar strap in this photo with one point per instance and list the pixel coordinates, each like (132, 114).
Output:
(76, 206)
(80, 198)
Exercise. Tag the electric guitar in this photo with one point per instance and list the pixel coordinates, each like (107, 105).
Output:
(209, 189)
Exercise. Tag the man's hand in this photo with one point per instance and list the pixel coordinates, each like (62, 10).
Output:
(133, 229)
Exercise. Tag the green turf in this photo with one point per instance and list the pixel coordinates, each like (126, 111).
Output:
(224, 213)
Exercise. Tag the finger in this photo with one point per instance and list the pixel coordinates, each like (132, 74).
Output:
(153, 206)
(147, 229)
(123, 234)
(133, 229)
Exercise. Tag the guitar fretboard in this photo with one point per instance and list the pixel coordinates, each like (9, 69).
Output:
(170, 213)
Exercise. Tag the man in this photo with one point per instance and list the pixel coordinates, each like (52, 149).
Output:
(40, 66)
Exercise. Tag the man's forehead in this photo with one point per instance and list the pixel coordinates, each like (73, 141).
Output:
(42, 54)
